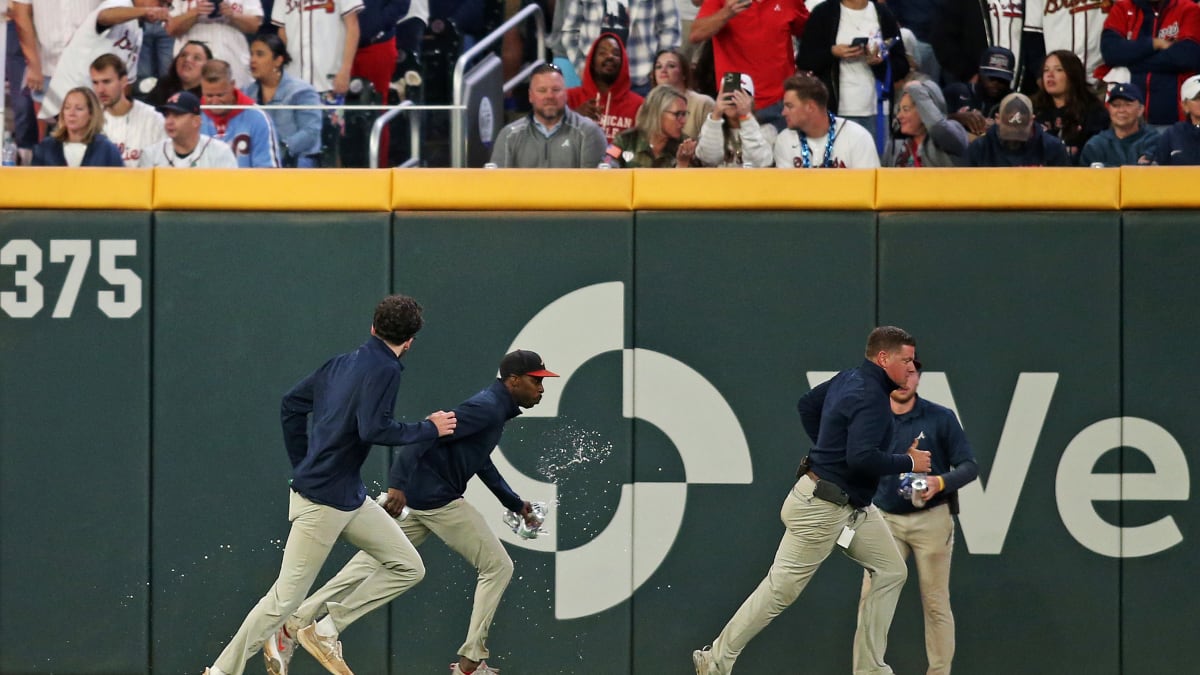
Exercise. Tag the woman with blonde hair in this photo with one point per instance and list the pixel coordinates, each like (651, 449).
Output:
(656, 140)
(77, 140)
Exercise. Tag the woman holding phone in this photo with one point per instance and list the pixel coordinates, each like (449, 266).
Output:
(731, 136)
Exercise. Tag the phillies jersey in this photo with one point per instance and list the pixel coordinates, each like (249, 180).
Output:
(226, 42)
(124, 40)
(316, 37)
(1073, 25)
(140, 127)
(55, 22)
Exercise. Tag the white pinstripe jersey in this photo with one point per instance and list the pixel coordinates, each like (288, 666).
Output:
(316, 37)
(1008, 21)
(1074, 25)
(226, 42)
(140, 127)
(74, 68)
(55, 22)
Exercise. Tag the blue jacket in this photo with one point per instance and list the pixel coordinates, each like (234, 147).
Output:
(435, 473)
(849, 419)
(949, 450)
(249, 133)
(350, 399)
(377, 20)
(1040, 150)
(100, 152)
(1179, 145)
(299, 131)
(1109, 150)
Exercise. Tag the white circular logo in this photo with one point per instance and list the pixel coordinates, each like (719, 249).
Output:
(486, 120)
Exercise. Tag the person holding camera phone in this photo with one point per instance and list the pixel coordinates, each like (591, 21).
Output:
(730, 135)
(849, 420)
(222, 25)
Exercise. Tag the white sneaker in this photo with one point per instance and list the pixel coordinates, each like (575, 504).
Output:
(278, 651)
(702, 659)
(326, 650)
(483, 669)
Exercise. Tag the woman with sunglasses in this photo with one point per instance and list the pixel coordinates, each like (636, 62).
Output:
(656, 141)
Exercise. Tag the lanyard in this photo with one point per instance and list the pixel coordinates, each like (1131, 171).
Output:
(806, 154)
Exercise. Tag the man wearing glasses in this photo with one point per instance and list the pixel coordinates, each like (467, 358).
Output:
(551, 136)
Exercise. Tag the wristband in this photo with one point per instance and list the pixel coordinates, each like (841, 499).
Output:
(942, 483)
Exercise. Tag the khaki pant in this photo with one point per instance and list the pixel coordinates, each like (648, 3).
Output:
(929, 534)
(315, 529)
(813, 527)
(464, 530)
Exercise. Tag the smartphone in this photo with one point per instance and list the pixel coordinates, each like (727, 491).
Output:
(860, 42)
(216, 13)
(731, 82)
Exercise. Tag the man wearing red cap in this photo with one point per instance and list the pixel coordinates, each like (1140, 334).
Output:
(430, 478)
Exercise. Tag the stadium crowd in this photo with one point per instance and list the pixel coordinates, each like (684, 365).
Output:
(627, 83)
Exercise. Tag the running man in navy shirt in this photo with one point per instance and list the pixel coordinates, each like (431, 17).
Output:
(350, 400)
(430, 478)
(849, 421)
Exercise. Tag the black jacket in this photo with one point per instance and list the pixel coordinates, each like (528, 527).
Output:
(820, 34)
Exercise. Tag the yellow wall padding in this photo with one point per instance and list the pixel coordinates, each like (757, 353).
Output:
(272, 190)
(1160, 187)
(754, 189)
(512, 190)
(1038, 189)
(84, 188)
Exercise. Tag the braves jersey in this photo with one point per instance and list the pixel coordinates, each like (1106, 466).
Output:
(316, 37)
(123, 39)
(55, 22)
(1007, 18)
(1073, 25)
(222, 37)
(209, 153)
(853, 148)
(140, 127)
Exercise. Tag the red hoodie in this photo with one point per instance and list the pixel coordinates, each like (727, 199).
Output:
(221, 119)
(618, 108)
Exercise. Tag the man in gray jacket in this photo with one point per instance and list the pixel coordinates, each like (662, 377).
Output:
(552, 136)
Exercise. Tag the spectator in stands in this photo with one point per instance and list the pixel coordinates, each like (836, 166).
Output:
(1158, 43)
(298, 131)
(854, 47)
(375, 59)
(184, 74)
(673, 69)
(974, 104)
(815, 137)
(1064, 105)
(130, 125)
(1126, 140)
(113, 27)
(731, 136)
(605, 96)
(77, 140)
(325, 37)
(927, 137)
(19, 99)
(959, 37)
(248, 132)
(158, 50)
(753, 38)
(223, 26)
(1180, 144)
(1016, 139)
(44, 27)
(551, 136)
(642, 26)
(186, 147)
(657, 141)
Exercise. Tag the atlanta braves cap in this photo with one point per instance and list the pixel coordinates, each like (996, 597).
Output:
(524, 362)
(1190, 88)
(1125, 90)
(998, 62)
(1015, 118)
(181, 102)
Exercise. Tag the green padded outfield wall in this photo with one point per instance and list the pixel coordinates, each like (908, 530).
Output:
(143, 477)
(74, 441)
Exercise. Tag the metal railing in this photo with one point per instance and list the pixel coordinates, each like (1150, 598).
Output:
(458, 113)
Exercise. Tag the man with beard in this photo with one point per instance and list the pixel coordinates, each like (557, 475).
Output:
(430, 478)
(973, 104)
(928, 530)
(130, 125)
(248, 132)
(185, 146)
(550, 136)
(605, 96)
